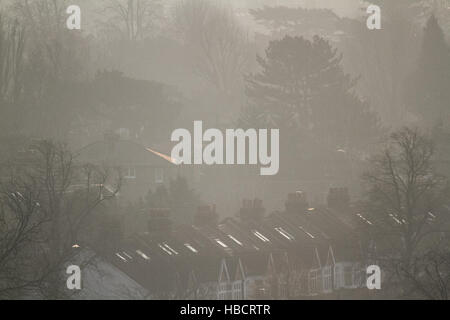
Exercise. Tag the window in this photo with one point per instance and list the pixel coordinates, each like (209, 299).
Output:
(130, 173)
(312, 281)
(159, 175)
(237, 290)
(282, 290)
(327, 279)
(222, 291)
(348, 276)
(357, 276)
(338, 281)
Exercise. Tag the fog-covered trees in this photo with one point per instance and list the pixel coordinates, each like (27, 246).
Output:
(46, 200)
(428, 93)
(132, 20)
(406, 205)
(216, 39)
(12, 44)
(145, 108)
(303, 90)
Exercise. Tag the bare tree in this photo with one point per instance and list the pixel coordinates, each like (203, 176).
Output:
(44, 205)
(405, 202)
(217, 40)
(431, 278)
(62, 51)
(12, 43)
(133, 19)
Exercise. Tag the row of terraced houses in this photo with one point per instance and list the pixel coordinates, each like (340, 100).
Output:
(298, 253)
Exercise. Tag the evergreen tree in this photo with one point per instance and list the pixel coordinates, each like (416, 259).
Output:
(429, 89)
(303, 90)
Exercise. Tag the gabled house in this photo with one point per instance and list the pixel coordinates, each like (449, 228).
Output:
(141, 167)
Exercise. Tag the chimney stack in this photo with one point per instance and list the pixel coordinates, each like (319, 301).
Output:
(160, 223)
(252, 210)
(296, 203)
(206, 216)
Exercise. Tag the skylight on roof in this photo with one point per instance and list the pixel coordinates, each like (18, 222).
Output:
(223, 245)
(143, 255)
(395, 218)
(190, 247)
(127, 255)
(235, 240)
(121, 257)
(165, 249)
(170, 248)
(364, 219)
(305, 231)
(285, 234)
(262, 237)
